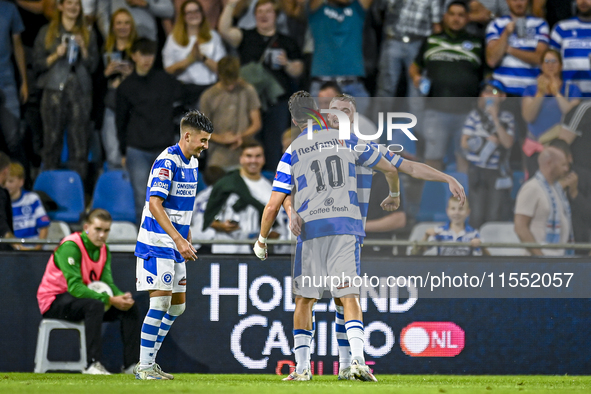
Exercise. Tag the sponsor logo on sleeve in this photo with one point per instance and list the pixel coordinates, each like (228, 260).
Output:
(164, 174)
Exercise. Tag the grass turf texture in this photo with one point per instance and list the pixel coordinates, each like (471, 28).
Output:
(272, 384)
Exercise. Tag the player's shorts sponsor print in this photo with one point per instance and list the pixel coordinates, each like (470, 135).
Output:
(326, 264)
(157, 273)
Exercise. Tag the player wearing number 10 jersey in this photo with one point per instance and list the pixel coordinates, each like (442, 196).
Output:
(321, 174)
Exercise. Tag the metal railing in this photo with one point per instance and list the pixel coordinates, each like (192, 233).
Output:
(367, 242)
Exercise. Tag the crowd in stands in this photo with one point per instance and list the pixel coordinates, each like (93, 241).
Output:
(499, 88)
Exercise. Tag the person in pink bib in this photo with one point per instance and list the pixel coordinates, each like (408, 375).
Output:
(82, 258)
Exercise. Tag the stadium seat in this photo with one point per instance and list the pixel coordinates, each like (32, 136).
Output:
(270, 175)
(201, 185)
(417, 233)
(113, 192)
(122, 232)
(58, 230)
(433, 202)
(518, 179)
(42, 363)
(501, 232)
(65, 188)
(462, 178)
(409, 146)
(434, 198)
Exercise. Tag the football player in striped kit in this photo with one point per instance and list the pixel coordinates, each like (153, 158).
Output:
(324, 176)
(347, 105)
(164, 239)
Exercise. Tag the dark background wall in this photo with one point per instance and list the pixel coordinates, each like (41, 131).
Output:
(253, 304)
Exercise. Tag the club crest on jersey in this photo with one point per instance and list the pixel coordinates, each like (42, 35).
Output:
(167, 164)
(167, 278)
(71, 261)
(164, 174)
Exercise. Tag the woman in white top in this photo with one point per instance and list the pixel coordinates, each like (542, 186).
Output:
(193, 50)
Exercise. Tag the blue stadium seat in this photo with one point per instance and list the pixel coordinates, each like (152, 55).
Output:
(434, 199)
(201, 185)
(410, 146)
(518, 179)
(462, 178)
(113, 192)
(433, 202)
(65, 188)
(270, 175)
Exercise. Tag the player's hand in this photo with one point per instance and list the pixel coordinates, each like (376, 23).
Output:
(295, 223)
(186, 249)
(475, 243)
(457, 190)
(260, 250)
(122, 302)
(390, 203)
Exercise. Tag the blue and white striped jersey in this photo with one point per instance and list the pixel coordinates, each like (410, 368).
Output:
(475, 129)
(572, 38)
(28, 215)
(445, 234)
(323, 172)
(365, 177)
(513, 72)
(174, 178)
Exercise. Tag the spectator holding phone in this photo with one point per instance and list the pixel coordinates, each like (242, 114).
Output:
(487, 137)
(118, 65)
(65, 55)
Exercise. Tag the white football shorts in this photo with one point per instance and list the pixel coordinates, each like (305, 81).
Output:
(326, 264)
(157, 273)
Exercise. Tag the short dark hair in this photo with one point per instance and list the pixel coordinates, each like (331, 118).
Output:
(300, 104)
(331, 85)
(145, 46)
(197, 120)
(461, 3)
(263, 2)
(561, 145)
(213, 174)
(229, 69)
(4, 161)
(98, 213)
(251, 144)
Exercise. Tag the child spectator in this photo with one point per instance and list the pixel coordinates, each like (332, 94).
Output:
(28, 215)
(455, 230)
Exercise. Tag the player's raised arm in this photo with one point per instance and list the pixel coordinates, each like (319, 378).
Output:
(427, 173)
(184, 247)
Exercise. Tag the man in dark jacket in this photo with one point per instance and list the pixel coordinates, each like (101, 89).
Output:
(144, 116)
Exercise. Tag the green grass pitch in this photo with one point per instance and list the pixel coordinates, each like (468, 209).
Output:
(272, 384)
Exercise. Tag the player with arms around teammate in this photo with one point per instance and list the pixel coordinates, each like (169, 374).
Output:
(164, 239)
(326, 199)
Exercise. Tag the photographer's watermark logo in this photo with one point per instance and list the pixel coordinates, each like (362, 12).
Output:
(344, 126)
